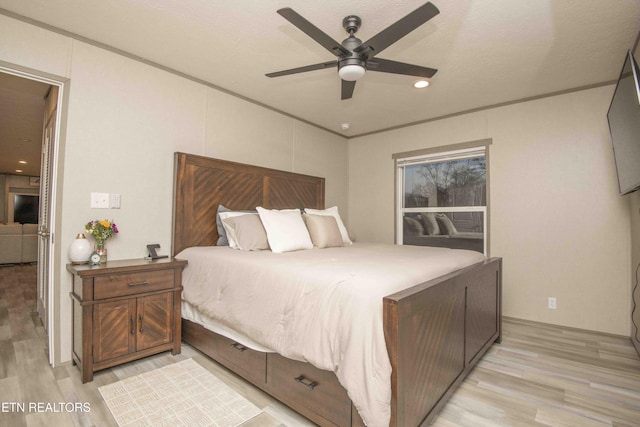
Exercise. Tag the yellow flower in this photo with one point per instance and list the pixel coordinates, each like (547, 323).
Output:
(105, 223)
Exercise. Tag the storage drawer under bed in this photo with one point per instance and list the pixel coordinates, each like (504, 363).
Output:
(248, 363)
(313, 392)
(316, 390)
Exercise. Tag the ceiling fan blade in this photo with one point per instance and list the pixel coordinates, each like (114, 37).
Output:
(314, 32)
(401, 28)
(387, 66)
(347, 89)
(304, 69)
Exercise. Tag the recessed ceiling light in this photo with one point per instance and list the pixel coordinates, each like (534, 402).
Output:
(24, 140)
(421, 84)
(22, 162)
(345, 126)
(19, 170)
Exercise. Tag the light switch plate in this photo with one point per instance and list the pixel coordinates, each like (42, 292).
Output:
(115, 201)
(100, 200)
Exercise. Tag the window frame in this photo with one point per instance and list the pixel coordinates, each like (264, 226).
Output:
(435, 154)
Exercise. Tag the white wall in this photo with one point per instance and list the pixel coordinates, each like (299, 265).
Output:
(125, 120)
(244, 132)
(555, 215)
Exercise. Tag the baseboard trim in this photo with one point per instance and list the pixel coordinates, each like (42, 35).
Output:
(568, 328)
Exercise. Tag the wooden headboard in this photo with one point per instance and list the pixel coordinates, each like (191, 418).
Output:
(202, 183)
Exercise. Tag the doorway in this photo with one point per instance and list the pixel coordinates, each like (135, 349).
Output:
(30, 104)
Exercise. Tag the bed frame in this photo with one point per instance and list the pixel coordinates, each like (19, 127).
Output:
(435, 331)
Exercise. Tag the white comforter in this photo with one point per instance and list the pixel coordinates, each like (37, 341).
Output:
(322, 306)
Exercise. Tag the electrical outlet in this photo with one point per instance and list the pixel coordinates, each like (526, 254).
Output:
(552, 303)
(100, 200)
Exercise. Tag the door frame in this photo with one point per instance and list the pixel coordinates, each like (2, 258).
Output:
(55, 163)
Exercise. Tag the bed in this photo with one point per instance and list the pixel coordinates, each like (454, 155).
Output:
(434, 331)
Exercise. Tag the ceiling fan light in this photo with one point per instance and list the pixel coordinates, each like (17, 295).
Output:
(351, 73)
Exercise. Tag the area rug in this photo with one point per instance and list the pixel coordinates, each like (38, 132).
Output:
(181, 394)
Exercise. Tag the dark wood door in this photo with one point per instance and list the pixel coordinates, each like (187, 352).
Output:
(154, 320)
(113, 329)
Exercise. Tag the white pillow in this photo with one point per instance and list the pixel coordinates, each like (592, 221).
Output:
(285, 229)
(230, 232)
(333, 211)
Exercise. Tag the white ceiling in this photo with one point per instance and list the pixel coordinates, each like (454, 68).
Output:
(487, 52)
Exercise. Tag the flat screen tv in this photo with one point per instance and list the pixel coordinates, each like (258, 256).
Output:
(624, 126)
(25, 209)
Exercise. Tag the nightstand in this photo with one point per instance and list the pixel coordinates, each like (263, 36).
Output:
(124, 310)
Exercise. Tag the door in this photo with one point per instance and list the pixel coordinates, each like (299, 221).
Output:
(114, 325)
(155, 313)
(51, 133)
(44, 216)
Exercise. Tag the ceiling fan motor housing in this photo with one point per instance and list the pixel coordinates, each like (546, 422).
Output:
(350, 43)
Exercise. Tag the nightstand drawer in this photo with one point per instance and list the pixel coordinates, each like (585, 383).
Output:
(116, 285)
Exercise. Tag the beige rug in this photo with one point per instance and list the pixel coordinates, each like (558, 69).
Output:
(182, 394)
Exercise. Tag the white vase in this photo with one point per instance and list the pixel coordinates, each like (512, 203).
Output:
(80, 250)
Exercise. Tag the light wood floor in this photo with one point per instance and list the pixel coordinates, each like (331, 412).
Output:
(541, 375)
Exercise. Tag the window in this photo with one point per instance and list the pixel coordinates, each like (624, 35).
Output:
(442, 197)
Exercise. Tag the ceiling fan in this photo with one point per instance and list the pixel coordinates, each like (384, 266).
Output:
(354, 56)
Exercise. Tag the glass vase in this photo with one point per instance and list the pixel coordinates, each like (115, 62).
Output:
(102, 251)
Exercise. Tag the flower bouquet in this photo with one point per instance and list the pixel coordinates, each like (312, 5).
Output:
(101, 230)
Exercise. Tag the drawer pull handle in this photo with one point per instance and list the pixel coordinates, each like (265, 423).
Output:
(238, 346)
(138, 283)
(306, 382)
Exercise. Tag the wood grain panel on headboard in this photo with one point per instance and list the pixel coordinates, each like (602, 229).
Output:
(201, 184)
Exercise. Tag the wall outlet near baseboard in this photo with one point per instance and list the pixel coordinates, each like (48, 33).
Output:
(551, 303)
